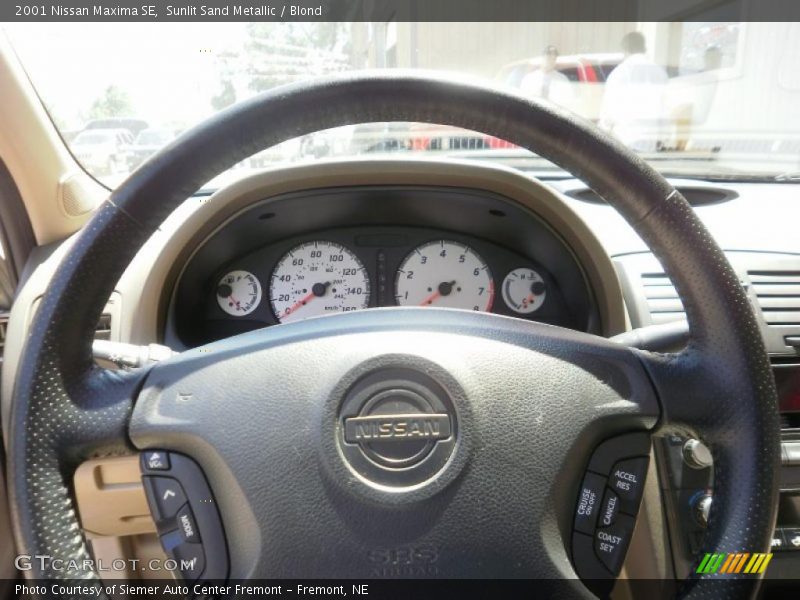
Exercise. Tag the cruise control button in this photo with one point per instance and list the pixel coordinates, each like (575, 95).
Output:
(614, 449)
(588, 567)
(611, 543)
(168, 495)
(156, 460)
(187, 525)
(609, 509)
(589, 503)
(191, 561)
(627, 480)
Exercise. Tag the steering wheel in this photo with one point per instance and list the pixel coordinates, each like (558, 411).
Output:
(455, 438)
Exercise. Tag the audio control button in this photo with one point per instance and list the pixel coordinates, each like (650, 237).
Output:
(191, 561)
(166, 496)
(187, 525)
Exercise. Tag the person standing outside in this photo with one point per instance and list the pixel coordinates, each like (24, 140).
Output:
(547, 82)
(634, 97)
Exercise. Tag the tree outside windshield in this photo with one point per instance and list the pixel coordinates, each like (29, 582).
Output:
(709, 99)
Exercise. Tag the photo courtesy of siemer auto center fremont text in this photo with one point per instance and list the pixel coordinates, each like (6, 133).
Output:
(399, 299)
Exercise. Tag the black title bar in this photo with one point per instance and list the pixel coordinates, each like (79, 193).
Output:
(395, 588)
(398, 10)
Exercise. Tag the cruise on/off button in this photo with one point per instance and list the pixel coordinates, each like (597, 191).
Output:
(588, 507)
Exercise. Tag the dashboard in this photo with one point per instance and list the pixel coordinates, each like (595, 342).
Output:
(330, 250)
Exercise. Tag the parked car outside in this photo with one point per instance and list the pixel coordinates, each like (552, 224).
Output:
(148, 142)
(133, 125)
(103, 151)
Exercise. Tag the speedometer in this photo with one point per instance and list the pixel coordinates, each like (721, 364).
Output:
(447, 274)
(317, 278)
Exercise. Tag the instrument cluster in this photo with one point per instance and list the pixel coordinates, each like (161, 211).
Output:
(343, 270)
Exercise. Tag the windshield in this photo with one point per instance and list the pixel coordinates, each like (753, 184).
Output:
(695, 99)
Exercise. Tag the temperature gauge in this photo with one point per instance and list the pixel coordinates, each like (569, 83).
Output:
(524, 290)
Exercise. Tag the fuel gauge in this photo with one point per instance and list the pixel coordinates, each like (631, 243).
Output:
(238, 293)
(524, 290)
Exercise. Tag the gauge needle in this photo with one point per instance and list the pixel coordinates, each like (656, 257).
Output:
(317, 290)
(431, 298)
(300, 303)
(444, 290)
(529, 299)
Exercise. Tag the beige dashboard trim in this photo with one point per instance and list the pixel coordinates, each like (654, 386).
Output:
(57, 194)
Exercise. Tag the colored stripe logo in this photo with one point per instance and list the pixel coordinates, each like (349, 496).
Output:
(734, 562)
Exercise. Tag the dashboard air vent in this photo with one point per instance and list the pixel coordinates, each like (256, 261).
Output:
(778, 294)
(662, 299)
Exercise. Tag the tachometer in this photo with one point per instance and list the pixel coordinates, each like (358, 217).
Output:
(238, 293)
(446, 274)
(318, 278)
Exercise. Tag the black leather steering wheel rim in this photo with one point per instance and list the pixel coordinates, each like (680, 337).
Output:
(721, 388)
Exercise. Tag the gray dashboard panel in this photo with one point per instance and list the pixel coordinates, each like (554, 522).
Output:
(758, 217)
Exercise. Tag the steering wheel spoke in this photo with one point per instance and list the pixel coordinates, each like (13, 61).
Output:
(97, 417)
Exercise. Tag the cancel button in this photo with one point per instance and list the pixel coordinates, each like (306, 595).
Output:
(609, 509)
(611, 543)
